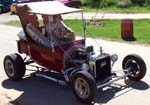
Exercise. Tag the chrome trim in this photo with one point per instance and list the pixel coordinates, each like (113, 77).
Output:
(92, 66)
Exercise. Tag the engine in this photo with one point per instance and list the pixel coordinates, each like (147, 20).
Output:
(98, 64)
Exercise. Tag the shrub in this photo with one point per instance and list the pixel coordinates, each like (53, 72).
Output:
(108, 3)
(147, 2)
(91, 3)
(124, 3)
(139, 2)
(119, 3)
(99, 3)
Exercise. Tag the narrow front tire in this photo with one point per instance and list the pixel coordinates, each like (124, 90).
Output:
(136, 65)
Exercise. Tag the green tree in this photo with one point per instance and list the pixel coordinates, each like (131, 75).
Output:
(92, 3)
(139, 2)
(99, 3)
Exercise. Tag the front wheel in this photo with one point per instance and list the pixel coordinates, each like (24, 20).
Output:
(136, 65)
(84, 86)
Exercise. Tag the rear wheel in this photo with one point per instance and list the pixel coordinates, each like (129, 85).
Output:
(84, 86)
(136, 65)
(14, 66)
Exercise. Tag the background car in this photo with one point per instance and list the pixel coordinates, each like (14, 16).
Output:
(70, 3)
(5, 5)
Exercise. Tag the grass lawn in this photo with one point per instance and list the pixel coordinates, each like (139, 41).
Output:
(133, 9)
(110, 30)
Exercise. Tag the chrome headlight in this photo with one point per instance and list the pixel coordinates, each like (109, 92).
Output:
(85, 67)
(114, 57)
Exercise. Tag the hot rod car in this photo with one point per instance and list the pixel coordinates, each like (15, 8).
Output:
(63, 57)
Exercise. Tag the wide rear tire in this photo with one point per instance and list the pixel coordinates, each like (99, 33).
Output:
(14, 66)
(137, 66)
(84, 86)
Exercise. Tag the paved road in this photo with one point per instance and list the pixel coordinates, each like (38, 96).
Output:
(39, 91)
(87, 15)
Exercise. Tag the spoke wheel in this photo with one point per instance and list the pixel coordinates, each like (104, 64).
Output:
(84, 86)
(136, 65)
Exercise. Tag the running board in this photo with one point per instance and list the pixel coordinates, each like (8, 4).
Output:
(52, 79)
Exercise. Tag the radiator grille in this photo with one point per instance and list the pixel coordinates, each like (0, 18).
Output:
(103, 68)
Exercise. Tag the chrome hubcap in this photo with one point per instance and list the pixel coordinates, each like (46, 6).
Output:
(82, 88)
(134, 66)
(9, 67)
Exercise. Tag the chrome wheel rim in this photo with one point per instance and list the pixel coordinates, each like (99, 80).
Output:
(9, 67)
(82, 88)
(135, 70)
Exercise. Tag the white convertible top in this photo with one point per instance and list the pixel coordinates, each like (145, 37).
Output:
(49, 8)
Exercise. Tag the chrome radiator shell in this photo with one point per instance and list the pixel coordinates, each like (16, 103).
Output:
(100, 66)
